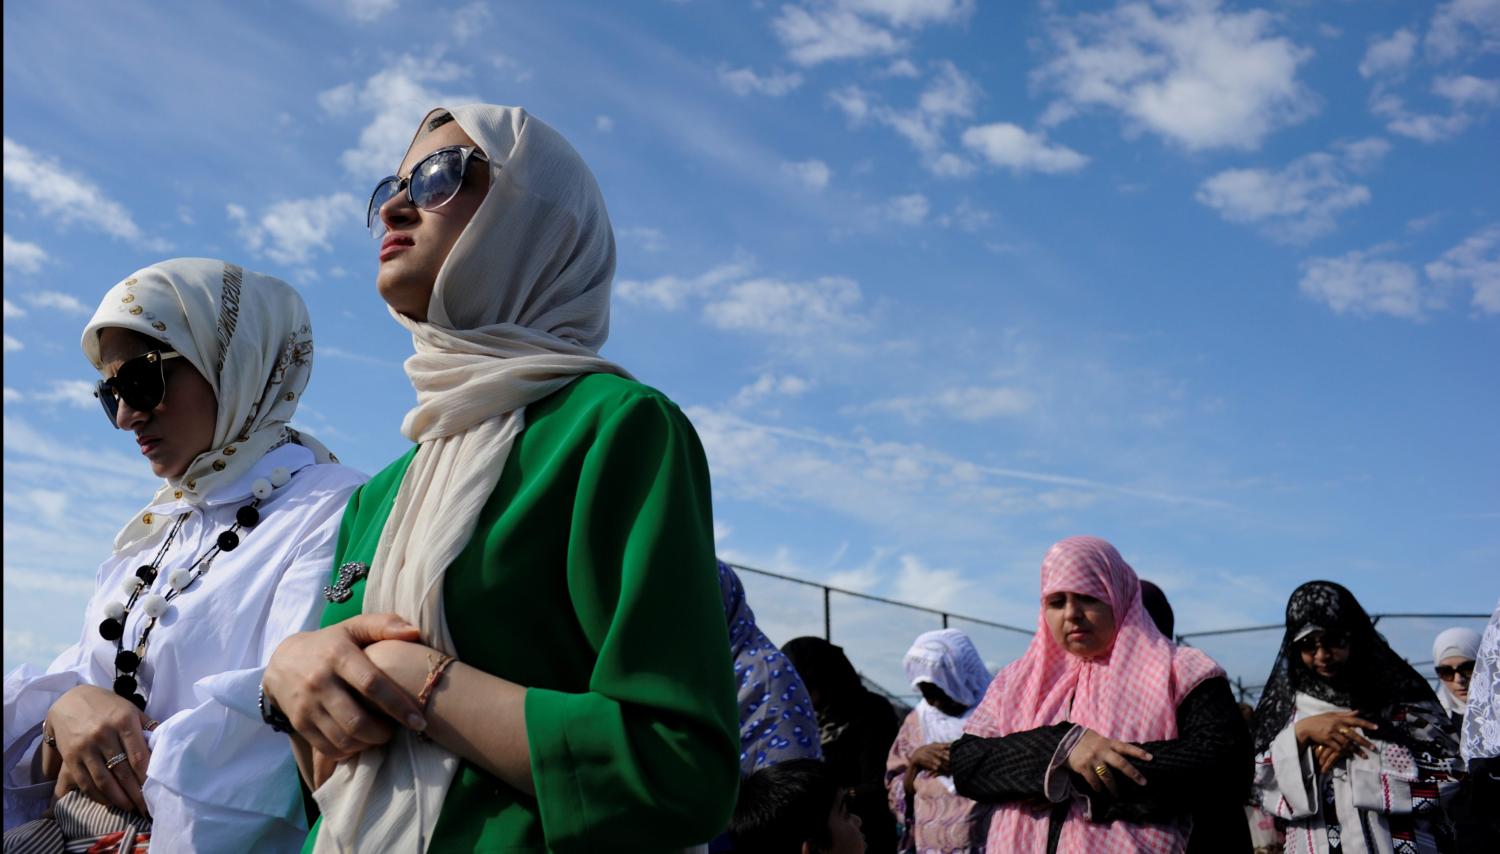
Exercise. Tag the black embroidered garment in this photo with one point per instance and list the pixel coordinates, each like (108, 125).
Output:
(1204, 773)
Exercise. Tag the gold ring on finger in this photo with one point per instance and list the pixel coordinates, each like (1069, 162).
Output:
(1101, 771)
(112, 761)
(1343, 730)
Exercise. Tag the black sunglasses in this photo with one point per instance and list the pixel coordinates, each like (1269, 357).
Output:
(1327, 640)
(141, 382)
(433, 182)
(1448, 674)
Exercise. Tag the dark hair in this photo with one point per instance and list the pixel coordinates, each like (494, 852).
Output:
(824, 668)
(782, 806)
(439, 120)
(1158, 607)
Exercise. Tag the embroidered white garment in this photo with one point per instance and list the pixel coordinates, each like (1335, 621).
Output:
(519, 310)
(946, 658)
(1481, 731)
(219, 779)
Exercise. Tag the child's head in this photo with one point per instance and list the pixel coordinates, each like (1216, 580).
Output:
(794, 807)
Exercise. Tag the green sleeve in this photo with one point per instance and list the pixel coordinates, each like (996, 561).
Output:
(647, 758)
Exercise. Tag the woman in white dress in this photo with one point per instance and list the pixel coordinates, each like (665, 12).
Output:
(149, 726)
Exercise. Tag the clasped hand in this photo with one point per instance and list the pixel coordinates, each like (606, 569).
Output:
(93, 725)
(1097, 758)
(337, 697)
(1334, 736)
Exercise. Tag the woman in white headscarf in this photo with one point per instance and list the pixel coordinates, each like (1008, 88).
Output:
(946, 668)
(1453, 654)
(149, 724)
(530, 592)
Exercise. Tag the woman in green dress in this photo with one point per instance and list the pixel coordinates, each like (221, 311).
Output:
(550, 531)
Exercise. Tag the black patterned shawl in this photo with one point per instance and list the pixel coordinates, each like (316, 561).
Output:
(1376, 677)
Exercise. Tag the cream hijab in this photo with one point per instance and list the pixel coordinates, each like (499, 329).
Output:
(1455, 642)
(248, 335)
(519, 310)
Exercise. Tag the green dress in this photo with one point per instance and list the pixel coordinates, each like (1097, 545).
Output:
(590, 580)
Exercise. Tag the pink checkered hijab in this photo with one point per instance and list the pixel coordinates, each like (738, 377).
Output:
(1130, 693)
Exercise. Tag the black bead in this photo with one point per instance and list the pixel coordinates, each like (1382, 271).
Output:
(247, 516)
(111, 629)
(140, 702)
(229, 541)
(127, 661)
(146, 573)
(125, 685)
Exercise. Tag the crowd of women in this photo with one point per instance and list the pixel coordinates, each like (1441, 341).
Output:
(509, 638)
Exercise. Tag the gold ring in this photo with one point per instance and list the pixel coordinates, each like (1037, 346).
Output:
(152, 724)
(1343, 730)
(1101, 771)
(112, 761)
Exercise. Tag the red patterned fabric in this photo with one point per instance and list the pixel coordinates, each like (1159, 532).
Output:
(1129, 693)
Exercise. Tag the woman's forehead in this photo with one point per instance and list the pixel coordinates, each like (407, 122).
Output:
(116, 344)
(448, 134)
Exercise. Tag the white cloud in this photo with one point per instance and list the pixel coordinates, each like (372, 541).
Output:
(744, 81)
(77, 393)
(1390, 55)
(966, 217)
(1195, 74)
(643, 238)
(1464, 26)
(920, 584)
(1015, 148)
(771, 385)
(1299, 202)
(1466, 90)
(910, 209)
(673, 292)
(13, 396)
(903, 68)
(13, 344)
(1359, 283)
(813, 174)
(1476, 263)
(366, 11)
(969, 404)
(59, 301)
(826, 307)
(830, 33)
(950, 95)
(912, 13)
(604, 124)
(13, 310)
(469, 21)
(398, 97)
(23, 256)
(291, 232)
(70, 198)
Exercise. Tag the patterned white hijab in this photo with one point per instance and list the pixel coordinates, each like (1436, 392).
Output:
(520, 309)
(247, 334)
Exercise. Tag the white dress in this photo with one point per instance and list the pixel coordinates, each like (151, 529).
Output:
(219, 779)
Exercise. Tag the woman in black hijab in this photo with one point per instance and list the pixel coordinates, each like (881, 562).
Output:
(1353, 749)
(857, 728)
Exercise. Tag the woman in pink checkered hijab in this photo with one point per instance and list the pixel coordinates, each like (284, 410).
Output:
(1105, 736)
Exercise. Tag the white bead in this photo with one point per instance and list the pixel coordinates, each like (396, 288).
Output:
(261, 488)
(279, 477)
(130, 584)
(154, 605)
(180, 578)
(115, 610)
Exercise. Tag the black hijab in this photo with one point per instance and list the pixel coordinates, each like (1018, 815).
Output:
(1374, 679)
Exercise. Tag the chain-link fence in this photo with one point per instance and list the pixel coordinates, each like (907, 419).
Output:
(875, 632)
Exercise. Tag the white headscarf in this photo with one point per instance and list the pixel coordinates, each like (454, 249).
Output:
(519, 310)
(247, 334)
(946, 658)
(1449, 643)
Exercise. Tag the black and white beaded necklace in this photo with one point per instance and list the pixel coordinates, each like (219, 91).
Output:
(137, 587)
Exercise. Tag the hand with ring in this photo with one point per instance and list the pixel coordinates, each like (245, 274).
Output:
(1097, 759)
(1338, 731)
(99, 747)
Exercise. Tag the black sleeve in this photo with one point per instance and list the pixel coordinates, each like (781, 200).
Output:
(1208, 765)
(1009, 768)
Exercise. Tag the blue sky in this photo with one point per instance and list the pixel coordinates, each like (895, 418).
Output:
(938, 281)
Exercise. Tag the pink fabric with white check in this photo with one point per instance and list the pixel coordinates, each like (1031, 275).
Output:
(1130, 693)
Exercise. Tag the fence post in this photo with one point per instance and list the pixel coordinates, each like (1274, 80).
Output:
(827, 615)
(945, 619)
